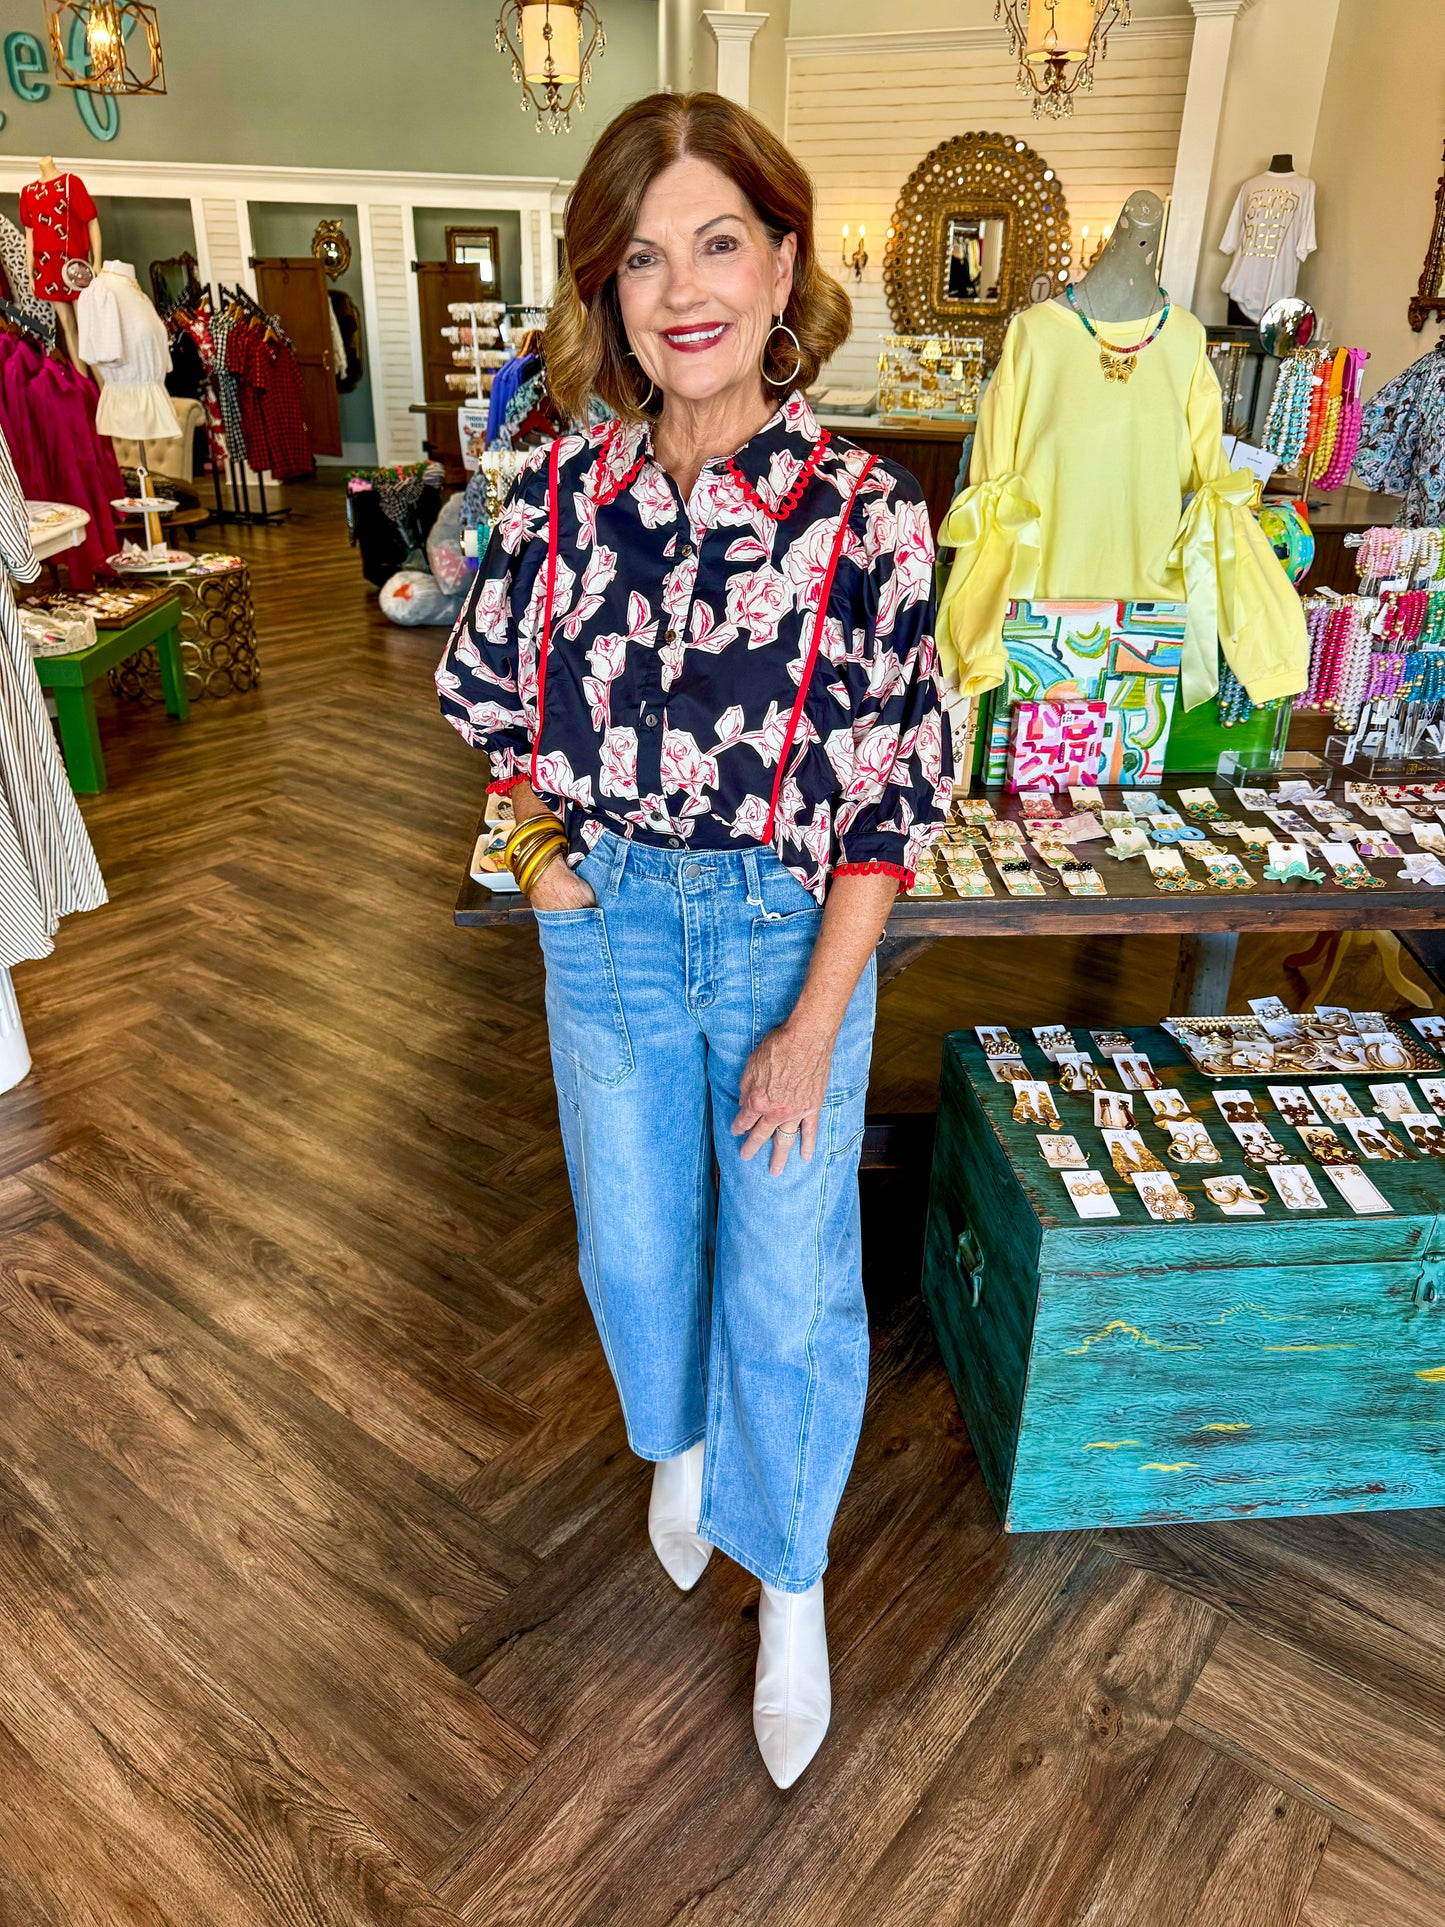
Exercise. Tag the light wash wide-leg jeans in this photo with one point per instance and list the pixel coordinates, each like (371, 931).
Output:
(729, 1302)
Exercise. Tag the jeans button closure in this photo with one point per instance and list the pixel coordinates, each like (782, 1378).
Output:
(691, 870)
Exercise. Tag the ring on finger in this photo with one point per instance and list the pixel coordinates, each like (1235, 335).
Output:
(780, 1132)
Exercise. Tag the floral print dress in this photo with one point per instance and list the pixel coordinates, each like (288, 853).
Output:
(752, 667)
(1402, 442)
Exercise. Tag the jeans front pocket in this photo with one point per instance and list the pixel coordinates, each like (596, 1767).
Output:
(584, 1005)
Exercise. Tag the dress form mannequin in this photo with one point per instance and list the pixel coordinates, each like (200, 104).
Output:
(64, 309)
(1123, 284)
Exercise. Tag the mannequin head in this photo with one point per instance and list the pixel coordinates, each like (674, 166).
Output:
(1138, 226)
(48, 169)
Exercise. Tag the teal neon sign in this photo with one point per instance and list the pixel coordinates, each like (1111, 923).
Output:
(27, 69)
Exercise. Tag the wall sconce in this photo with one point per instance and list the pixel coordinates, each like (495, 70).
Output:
(858, 259)
(1087, 258)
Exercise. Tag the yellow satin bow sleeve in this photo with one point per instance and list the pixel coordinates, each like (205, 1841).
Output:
(993, 529)
(1239, 599)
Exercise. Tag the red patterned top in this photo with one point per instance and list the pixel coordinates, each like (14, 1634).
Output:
(57, 213)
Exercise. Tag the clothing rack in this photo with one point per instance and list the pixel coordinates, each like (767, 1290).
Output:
(241, 511)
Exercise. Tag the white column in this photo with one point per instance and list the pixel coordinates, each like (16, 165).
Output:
(1198, 139)
(734, 33)
(14, 1051)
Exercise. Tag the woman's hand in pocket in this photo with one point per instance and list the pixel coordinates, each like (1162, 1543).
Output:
(560, 888)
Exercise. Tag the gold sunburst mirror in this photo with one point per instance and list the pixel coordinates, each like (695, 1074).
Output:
(980, 231)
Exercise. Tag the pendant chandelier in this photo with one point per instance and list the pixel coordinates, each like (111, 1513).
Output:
(549, 59)
(88, 45)
(1057, 43)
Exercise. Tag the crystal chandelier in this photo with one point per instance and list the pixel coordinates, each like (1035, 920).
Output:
(101, 28)
(549, 60)
(1057, 43)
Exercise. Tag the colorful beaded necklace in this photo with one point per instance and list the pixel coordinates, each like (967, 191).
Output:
(1118, 363)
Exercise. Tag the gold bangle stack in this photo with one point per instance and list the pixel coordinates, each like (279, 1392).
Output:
(532, 846)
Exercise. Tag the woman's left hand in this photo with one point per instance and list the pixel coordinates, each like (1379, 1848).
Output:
(783, 1086)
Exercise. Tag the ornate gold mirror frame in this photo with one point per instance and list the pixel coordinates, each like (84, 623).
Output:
(970, 179)
(1430, 298)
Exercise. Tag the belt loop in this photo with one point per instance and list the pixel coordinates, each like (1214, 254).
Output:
(618, 861)
(750, 871)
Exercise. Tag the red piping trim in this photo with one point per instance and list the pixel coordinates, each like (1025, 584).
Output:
(795, 494)
(905, 877)
(552, 533)
(613, 489)
(813, 646)
(506, 786)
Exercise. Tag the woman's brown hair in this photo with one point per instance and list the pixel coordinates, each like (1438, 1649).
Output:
(586, 348)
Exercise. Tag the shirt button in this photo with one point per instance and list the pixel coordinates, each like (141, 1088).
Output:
(671, 635)
(675, 842)
(650, 720)
(687, 548)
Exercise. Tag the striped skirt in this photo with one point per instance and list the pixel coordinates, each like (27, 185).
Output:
(47, 865)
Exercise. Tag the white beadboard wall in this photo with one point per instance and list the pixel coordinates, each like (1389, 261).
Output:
(392, 329)
(864, 109)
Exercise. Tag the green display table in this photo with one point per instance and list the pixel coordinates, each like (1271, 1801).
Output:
(72, 679)
(1123, 1372)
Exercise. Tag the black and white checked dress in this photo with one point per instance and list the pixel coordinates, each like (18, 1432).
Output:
(47, 866)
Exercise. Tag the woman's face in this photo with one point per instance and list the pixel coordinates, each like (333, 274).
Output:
(699, 284)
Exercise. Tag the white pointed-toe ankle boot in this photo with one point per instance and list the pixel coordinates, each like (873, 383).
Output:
(793, 1697)
(672, 1516)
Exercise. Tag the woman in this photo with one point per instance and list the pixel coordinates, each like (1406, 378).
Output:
(700, 660)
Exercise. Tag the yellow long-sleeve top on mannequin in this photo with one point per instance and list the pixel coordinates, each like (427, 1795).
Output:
(1077, 489)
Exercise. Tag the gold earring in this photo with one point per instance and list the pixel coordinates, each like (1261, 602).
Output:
(781, 381)
(652, 389)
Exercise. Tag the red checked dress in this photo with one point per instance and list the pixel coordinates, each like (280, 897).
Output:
(58, 214)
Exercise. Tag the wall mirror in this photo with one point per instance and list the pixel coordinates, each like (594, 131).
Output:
(477, 247)
(332, 248)
(981, 230)
(1429, 298)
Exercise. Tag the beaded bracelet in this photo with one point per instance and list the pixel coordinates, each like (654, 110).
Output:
(1351, 420)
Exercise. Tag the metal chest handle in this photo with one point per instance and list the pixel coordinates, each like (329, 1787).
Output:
(968, 1259)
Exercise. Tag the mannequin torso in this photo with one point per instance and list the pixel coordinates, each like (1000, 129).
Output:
(60, 224)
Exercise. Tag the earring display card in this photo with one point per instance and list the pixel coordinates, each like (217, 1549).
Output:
(1008, 1070)
(1142, 802)
(1425, 1132)
(1036, 803)
(996, 1040)
(1129, 1153)
(1109, 1042)
(1393, 1100)
(1136, 1073)
(1292, 1101)
(1324, 1145)
(1191, 1144)
(1201, 803)
(1373, 1141)
(1131, 842)
(1078, 1073)
(1034, 1104)
(1062, 1154)
(1237, 1107)
(1019, 876)
(1335, 1101)
(1090, 1194)
(1081, 879)
(1084, 797)
(1432, 1029)
(1433, 1091)
(1297, 1189)
(1052, 1039)
(1113, 1111)
(1168, 1107)
(972, 809)
(1357, 1190)
(1161, 1196)
(1259, 1144)
(1234, 1197)
(1272, 1009)
(1254, 799)
(925, 882)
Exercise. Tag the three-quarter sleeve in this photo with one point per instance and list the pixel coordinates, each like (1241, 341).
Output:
(895, 760)
(486, 680)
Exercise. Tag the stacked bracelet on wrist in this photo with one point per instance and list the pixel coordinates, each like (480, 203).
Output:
(532, 846)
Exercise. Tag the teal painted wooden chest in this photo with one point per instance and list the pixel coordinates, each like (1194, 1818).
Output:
(1126, 1372)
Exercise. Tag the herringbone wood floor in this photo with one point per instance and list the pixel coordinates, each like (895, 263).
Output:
(325, 1595)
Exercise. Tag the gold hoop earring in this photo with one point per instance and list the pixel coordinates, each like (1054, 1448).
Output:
(652, 388)
(781, 381)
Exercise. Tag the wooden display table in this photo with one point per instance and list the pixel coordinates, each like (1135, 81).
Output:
(72, 681)
(1209, 922)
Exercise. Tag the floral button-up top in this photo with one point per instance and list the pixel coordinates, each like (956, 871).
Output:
(751, 667)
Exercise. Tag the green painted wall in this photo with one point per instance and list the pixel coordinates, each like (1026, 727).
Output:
(286, 227)
(337, 84)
